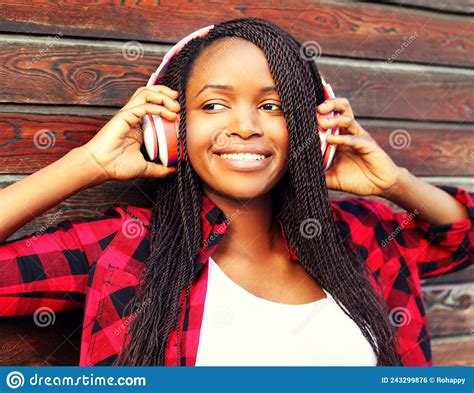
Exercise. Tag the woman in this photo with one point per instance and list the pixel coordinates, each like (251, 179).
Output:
(243, 87)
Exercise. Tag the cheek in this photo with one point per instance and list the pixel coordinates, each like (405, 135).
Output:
(282, 143)
(195, 147)
(198, 143)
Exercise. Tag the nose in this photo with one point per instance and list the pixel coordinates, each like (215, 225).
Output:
(245, 124)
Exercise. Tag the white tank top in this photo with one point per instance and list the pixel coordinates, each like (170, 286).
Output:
(242, 329)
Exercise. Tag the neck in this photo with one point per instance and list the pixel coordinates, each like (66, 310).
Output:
(252, 231)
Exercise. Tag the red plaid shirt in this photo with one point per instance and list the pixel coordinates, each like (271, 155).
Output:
(95, 262)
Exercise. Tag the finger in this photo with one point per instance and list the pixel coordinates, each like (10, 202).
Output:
(353, 141)
(347, 123)
(331, 179)
(166, 90)
(154, 171)
(338, 104)
(133, 115)
(151, 96)
(158, 88)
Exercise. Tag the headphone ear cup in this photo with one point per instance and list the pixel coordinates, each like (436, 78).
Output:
(167, 133)
(150, 138)
(323, 133)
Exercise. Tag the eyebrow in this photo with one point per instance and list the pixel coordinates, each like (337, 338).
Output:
(265, 89)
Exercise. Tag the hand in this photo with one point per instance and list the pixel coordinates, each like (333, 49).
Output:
(360, 166)
(116, 147)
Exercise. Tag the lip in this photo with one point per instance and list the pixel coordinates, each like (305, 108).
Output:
(243, 165)
(247, 148)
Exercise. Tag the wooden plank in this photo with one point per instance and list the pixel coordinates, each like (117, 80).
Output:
(33, 137)
(461, 6)
(86, 73)
(381, 90)
(454, 351)
(23, 343)
(463, 182)
(89, 202)
(450, 308)
(74, 73)
(354, 29)
(426, 149)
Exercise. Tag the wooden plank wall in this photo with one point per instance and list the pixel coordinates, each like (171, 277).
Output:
(403, 66)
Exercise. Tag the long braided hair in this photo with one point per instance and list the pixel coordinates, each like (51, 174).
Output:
(299, 197)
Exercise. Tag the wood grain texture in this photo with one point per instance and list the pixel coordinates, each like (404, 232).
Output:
(83, 73)
(454, 351)
(89, 202)
(351, 29)
(444, 6)
(31, 140)
(450, 308)
(24, 343)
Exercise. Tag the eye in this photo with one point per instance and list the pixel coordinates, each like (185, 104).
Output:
(211, 104)
(270, 103)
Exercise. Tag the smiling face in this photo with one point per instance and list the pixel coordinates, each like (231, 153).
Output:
(232, 107)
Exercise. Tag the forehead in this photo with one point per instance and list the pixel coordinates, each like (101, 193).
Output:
(230, 60)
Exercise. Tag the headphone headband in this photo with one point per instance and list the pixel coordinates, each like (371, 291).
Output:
(161, 70)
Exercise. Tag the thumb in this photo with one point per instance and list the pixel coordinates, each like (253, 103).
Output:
(331, 180)
(159, 171)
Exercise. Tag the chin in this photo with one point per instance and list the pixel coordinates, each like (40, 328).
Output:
(241, 191)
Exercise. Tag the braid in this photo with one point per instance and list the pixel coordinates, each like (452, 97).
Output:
(300, 197)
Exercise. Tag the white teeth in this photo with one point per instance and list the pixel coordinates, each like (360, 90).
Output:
(243, 156)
